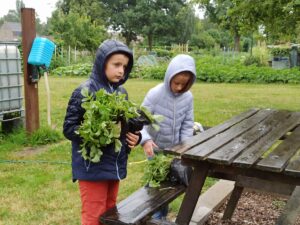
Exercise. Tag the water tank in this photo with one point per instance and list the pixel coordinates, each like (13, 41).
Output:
(11, 100)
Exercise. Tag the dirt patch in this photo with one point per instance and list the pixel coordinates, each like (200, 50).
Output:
(253, 208)
(30, 151)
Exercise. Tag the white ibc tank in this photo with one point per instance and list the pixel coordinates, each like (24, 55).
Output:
(10, 79)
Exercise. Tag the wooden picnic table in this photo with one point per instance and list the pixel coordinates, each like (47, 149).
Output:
(258, 149)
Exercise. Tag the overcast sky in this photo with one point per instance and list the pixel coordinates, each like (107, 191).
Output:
(43, 8)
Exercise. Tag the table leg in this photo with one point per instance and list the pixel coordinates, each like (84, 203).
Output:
(234, 198)
(191, 195)
(291, 210)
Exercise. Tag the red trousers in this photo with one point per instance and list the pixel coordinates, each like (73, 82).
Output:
(96, 198)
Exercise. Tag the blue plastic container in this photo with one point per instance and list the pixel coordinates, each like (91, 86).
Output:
(41, 52)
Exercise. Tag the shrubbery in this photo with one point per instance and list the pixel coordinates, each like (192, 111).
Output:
(82, 70)
(209, 69)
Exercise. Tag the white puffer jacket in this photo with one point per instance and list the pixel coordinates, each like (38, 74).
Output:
(177, 109)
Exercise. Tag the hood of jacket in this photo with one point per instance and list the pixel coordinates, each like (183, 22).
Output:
(105, 50)
(179, 63)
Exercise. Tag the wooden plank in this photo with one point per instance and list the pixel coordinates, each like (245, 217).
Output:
(280, 156)
(159, 222)
(234, 198)
(31, 91)
(208, 147)
(291, 210)
(255, 151)
(227, 153)
(207, 134)
(293, 167)
(192, 194)
(265, 185)
(141, 204)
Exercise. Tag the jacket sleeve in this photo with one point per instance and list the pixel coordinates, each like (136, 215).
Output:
(186, 129)
(74, 116)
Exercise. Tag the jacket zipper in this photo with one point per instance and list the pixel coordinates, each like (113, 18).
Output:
(117, 167)
(174, 120)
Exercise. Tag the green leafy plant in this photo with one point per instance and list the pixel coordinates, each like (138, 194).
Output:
(104, 113)
(280, 52)
(157, 170)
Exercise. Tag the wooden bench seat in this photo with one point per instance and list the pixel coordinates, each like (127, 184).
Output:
(139, 206)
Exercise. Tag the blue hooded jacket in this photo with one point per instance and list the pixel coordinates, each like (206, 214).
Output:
(112, 165)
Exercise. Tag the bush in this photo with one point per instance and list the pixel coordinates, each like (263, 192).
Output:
(252, 60)
(44, 136)
(83, 70)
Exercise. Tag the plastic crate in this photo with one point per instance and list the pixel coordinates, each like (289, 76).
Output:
(41, 52)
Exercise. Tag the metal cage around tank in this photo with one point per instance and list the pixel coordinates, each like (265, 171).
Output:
(11, 80)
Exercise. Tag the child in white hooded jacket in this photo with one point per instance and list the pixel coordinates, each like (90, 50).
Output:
(173, 100)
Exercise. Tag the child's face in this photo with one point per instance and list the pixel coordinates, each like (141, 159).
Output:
(180, 82)
(115, 67)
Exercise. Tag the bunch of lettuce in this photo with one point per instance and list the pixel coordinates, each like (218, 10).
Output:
(102, 121)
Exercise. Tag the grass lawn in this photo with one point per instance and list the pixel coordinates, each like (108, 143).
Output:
(36, 186)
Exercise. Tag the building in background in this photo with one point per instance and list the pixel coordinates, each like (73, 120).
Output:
(10, 31)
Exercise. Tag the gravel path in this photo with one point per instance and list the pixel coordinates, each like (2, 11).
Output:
(253, 209)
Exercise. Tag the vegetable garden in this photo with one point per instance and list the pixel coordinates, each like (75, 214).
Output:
(38, 187)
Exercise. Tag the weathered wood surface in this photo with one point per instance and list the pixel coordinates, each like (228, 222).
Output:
(254, 152)
(291, 210)
(141, 204)
(203, 150)
(259, 149)
(197, 139)
(159, 222)
(249, 141)
(279, 157)
(227, 153)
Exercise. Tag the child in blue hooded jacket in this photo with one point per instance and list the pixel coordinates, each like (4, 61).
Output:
(99, 182)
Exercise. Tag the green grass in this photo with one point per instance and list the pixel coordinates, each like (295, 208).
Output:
(39, 190)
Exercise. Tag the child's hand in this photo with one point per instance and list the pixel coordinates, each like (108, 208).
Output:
(148, 148)
(132, 139)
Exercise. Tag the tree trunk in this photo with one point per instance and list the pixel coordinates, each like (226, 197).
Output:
(150, 41)
(128, 40)
(237, 42)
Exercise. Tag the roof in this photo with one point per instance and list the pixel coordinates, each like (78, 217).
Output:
(13, 26)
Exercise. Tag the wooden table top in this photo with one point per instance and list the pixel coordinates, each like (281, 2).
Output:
(264, 139)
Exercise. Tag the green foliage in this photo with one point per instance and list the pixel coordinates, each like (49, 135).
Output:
(212, 70)
(104, 115)
(171, 21)
(203, 40)
(157, 170)
(252, 60)
(57, 62)
(44, 135)
(82, 70)
(149, 72)
(280, 52)
(71, 27)
(162, 52)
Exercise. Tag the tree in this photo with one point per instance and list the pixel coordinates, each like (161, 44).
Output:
(122, 18)
(14, 15)
(218, 11)
(163, 19)
(77, 30)
(278, 18)
(157, 18)
(91, 8)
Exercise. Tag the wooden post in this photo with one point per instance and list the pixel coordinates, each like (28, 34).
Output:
(30, 89)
